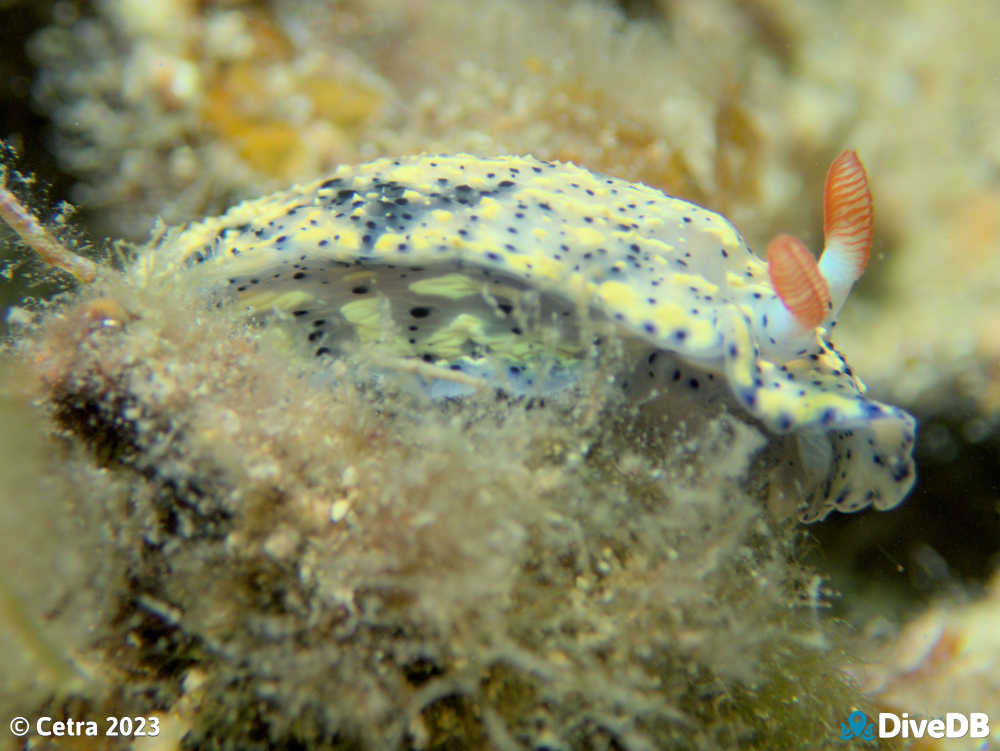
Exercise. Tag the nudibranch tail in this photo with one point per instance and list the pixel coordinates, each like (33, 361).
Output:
(39, 239)
(797, 280)
(847, 226)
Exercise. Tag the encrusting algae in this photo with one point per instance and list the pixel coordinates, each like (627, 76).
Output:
(468, 527)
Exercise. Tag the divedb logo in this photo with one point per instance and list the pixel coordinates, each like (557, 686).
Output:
(952, 725)
(892, 725)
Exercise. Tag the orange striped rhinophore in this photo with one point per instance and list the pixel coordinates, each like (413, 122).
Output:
(847, 209)
(796, 279)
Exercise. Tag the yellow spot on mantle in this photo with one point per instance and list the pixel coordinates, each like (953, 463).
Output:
(619, 296)
(588, 236)
(388, 242)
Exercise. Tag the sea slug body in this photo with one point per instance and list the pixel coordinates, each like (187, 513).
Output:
(451, 259)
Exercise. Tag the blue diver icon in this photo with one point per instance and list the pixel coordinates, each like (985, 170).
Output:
(859, 727)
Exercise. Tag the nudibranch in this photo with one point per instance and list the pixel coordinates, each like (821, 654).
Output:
(454, 260)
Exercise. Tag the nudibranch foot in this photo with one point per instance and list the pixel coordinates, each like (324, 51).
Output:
(871, 466)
